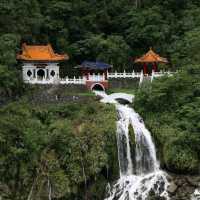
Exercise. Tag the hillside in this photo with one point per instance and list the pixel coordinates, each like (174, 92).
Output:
(64, 134)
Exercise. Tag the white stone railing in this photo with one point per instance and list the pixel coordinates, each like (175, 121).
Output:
(75, 81)
(41, 81)
(161, 73)
(124, 75)
(96, 78)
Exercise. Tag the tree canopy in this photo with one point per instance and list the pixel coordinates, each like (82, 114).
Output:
(71, 148)
(109, 31)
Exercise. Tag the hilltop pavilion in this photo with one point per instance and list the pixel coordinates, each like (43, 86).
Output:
(152, 59)
(40, 62)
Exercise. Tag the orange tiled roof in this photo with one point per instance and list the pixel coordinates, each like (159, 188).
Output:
(40, 53)
(151, 57)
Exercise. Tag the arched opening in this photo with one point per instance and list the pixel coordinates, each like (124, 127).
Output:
(40, 74)
(122, 101)
(98, 87)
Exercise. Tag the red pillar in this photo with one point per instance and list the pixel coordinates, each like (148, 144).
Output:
(106, 73)
(155, 67)
(145, 68)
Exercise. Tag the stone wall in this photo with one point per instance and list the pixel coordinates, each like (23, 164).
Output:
(123, 83)
(41, 94)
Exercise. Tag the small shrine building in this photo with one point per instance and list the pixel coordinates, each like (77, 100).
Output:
(150, 61)
(40, 62)
(95, 74)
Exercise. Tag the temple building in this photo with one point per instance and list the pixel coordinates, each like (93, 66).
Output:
(40, 63)
(95, 74)
(150, 61)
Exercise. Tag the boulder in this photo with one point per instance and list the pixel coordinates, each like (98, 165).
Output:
(172, 188)
(193, 180)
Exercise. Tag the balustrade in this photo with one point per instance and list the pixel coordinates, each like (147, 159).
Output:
(97, 78)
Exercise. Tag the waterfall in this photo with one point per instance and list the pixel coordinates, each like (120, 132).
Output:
(145, 160)
(123, 144)
(141, 177)
(148, 178)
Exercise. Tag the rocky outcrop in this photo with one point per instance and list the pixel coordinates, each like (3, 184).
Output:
(182, 187)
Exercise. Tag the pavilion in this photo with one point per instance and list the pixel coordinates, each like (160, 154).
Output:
(40, 62)
(152, 59)
(95, 74)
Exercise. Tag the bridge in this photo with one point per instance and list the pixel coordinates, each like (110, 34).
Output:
(115, 97)
(122, 96)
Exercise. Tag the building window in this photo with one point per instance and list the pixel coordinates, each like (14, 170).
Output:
(29, 73)
(40, 73)
(53, 73)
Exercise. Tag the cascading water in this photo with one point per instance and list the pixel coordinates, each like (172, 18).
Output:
(145, 160)
(196, 195)
(141, 178)
(148, 179)
(123, 144)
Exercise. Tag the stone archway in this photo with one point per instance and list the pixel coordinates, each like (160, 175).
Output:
(97, 86)
(40, 74)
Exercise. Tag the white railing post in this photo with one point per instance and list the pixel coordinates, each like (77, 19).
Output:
(152, 75)
(115, 74)
(133, 74)
(93, 76)
(103, 77)
(141, 77)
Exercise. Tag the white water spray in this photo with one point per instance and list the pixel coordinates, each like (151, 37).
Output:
(196, 195)
(142, 177)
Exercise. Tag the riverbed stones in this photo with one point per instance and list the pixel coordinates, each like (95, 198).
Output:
(172, 188)
(182, 187)
(193, 180)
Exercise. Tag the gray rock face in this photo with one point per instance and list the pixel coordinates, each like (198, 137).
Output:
(172, 188)
(194, 181)
(183, 187)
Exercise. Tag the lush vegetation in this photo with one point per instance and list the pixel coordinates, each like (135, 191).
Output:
(111, 31)
(171, 109)
(71, 147)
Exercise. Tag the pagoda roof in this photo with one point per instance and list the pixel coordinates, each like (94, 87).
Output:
(40, 53)
(151, 57)
(94, 65)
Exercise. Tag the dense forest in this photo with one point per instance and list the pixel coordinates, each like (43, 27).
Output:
(71, 144)
(111, 31)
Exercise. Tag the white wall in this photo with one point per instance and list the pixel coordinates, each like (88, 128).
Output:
(51, 71)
